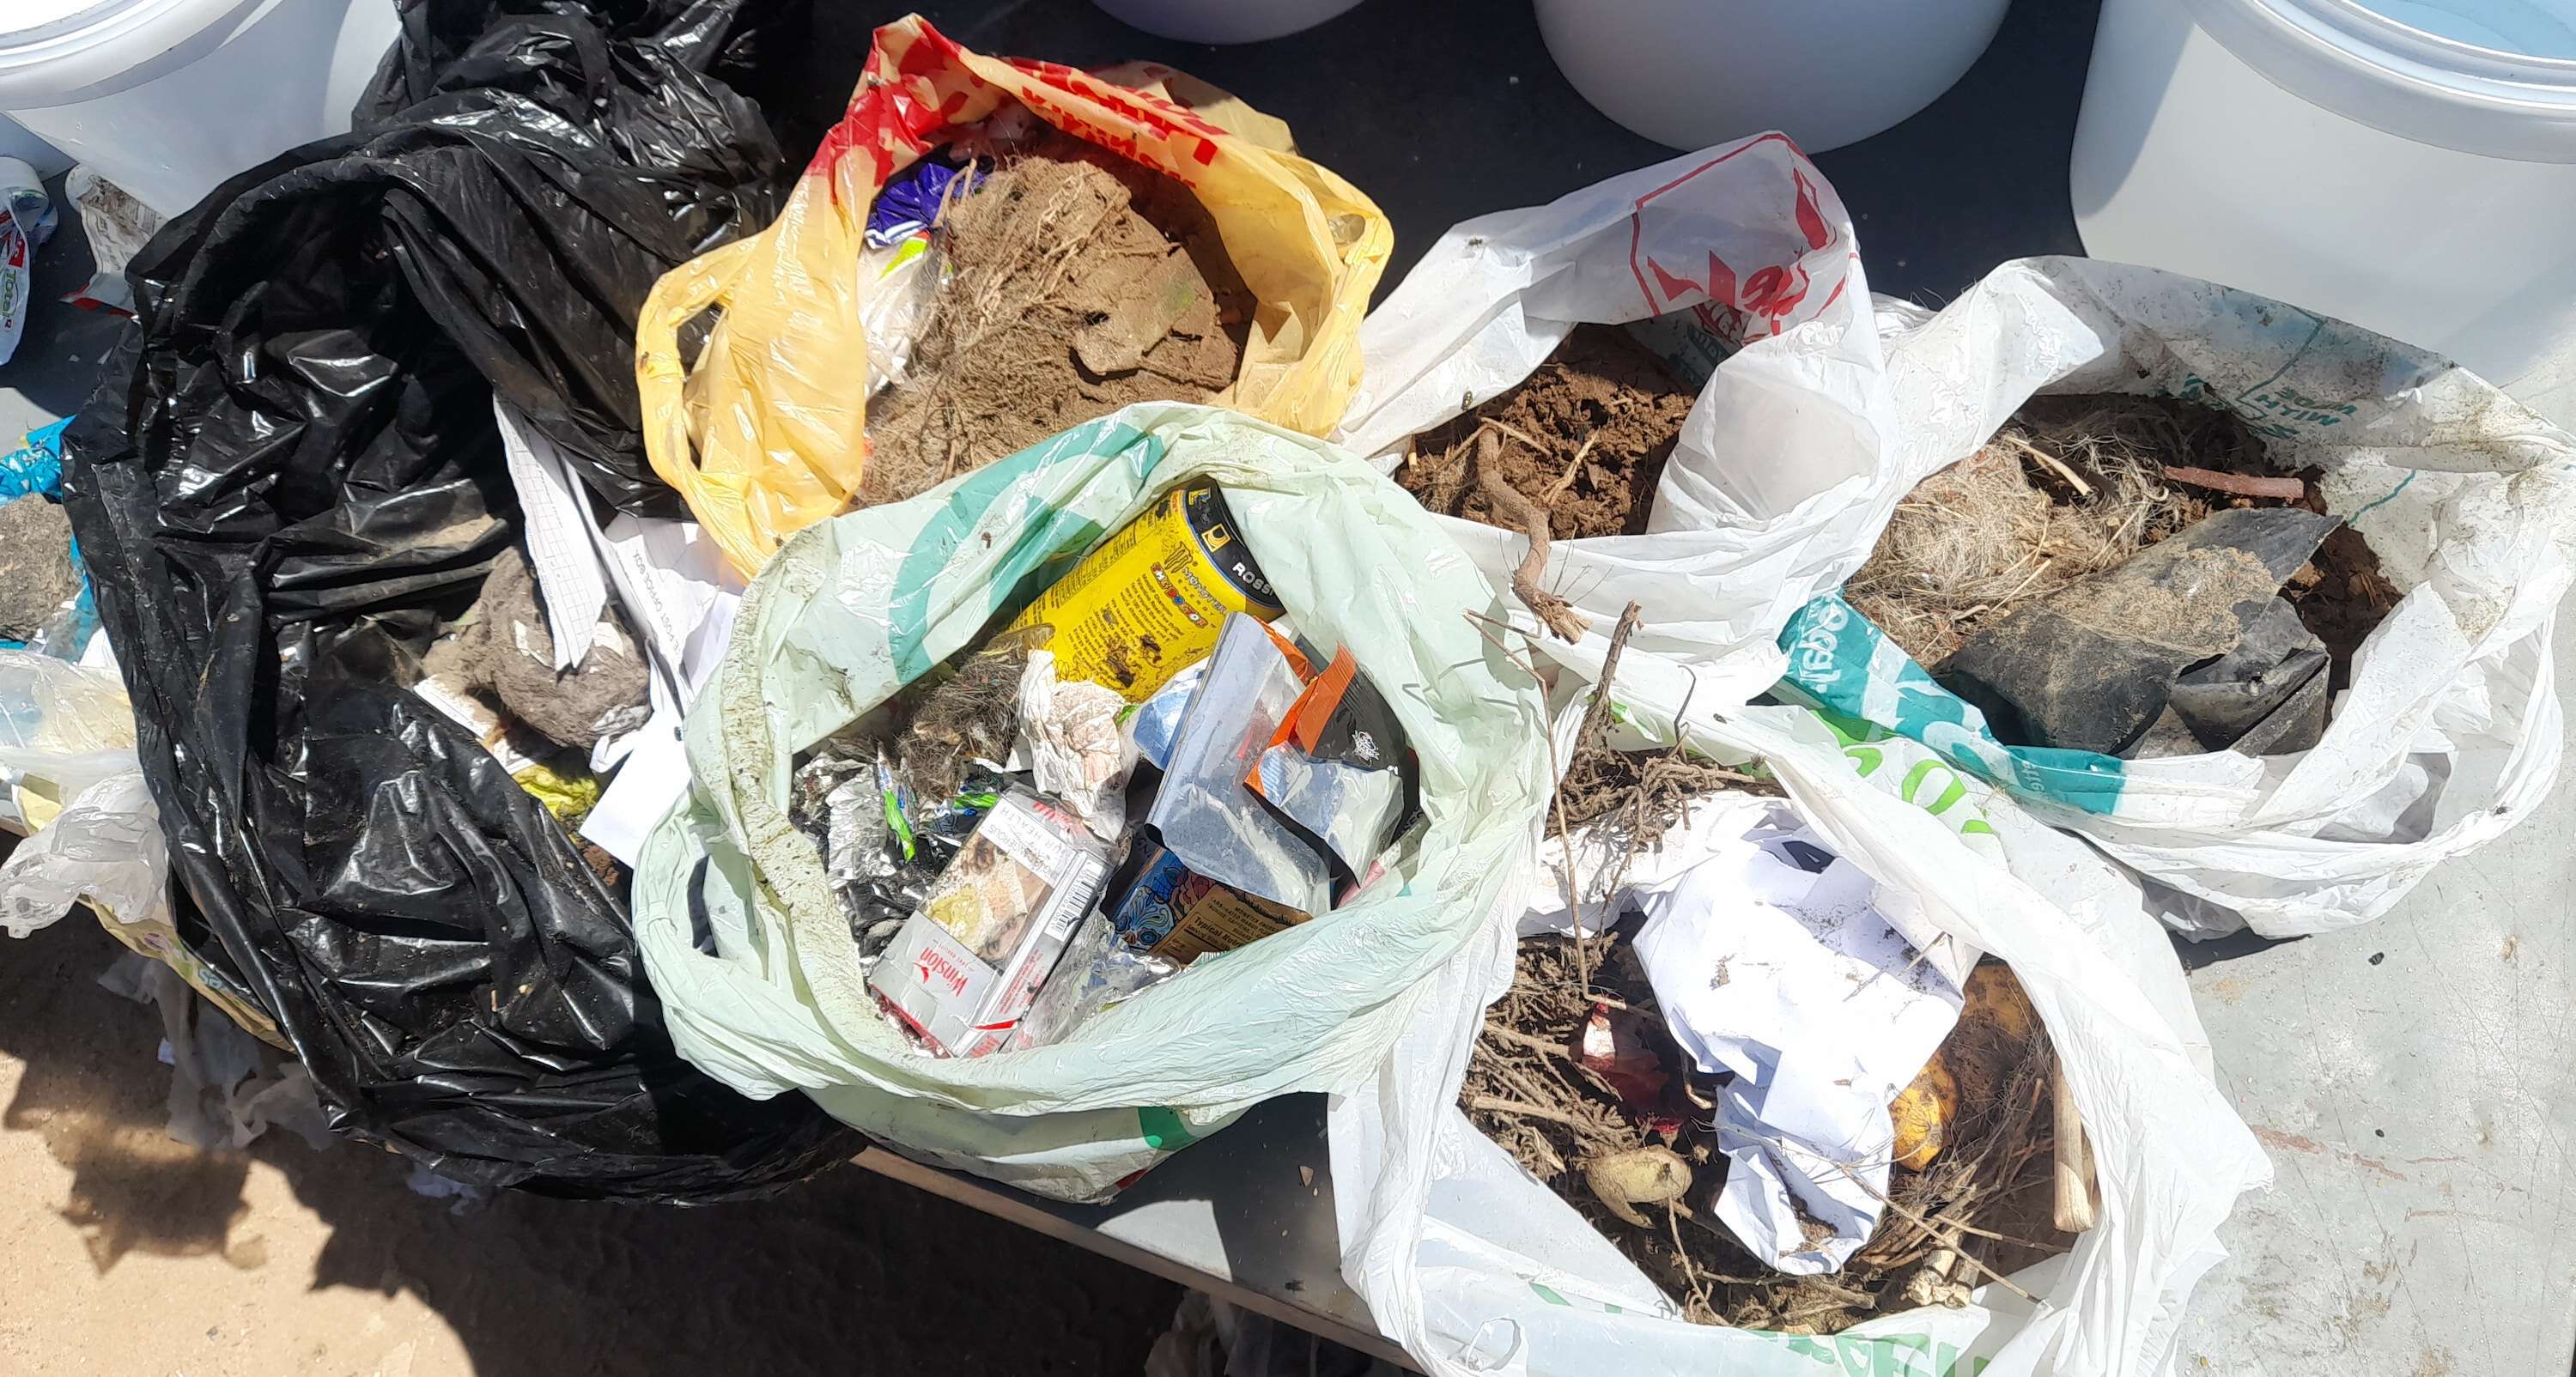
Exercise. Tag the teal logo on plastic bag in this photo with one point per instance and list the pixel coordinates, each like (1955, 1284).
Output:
(1055, 536)
(1840, 662)
(1932, 785)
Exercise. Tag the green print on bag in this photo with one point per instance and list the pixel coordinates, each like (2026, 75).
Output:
(1841, 663)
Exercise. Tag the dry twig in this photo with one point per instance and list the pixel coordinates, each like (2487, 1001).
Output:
(2054, 464)
(1530, 519)
(2241, 484)
(1595, 714)
(1495, 1105)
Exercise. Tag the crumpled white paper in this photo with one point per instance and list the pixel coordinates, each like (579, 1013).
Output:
(673, 585)
(1072, 745)
(1771, 961)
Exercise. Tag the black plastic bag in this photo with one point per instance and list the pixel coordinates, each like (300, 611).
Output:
(2184, 646)
(289, 478)
(534, 170)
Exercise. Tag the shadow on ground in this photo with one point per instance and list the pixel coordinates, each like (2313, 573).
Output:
(848, 1274)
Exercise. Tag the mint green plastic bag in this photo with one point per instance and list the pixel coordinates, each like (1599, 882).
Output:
(752, 956)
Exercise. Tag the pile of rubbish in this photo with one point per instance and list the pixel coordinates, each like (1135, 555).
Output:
(1141, 770)
(821, 683)
(1759, 1087)
(984, 253)
(303, 493)
(1061, 284)
(2130, 576)
(1579, 1076)
(422, 654)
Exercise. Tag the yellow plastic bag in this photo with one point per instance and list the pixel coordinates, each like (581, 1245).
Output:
(765, 435)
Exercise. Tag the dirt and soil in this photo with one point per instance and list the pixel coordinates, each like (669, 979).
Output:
(2075, 486)
(1079, 282)
(129, 1253)
(1586, 437)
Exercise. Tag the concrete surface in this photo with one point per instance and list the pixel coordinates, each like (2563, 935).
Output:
(2414, 1085)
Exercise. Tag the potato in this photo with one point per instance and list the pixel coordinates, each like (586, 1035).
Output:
(1638, 1176)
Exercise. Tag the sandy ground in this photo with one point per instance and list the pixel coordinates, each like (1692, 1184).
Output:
(127, 1253)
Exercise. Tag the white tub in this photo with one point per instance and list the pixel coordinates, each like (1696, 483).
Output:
(167, 98)
(2419, 181)
(1696, 73)
(16, 142)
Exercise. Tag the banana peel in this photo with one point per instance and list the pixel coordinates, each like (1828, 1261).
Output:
(1971, 1068)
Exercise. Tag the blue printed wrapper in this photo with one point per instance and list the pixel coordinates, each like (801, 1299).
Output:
(37, 465)
(911, 200)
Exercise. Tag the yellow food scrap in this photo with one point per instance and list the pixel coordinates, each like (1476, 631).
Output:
(1973, 1065)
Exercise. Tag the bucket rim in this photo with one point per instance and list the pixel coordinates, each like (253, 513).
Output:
(74, 50)
(2348, 59)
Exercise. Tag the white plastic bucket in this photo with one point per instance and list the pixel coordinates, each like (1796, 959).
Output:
(16, 142)
(1696, 73)
(1223, 21)
(167, 98)
(2413, 181)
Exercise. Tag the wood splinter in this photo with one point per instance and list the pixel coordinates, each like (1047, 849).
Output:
(2078, 1196)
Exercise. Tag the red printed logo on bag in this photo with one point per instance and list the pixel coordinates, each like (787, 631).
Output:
(1739, 301)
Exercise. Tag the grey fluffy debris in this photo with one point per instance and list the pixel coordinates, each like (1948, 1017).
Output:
(36, 573)
(503, 645)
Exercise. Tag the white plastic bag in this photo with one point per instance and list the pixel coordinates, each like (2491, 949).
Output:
(2449, 733)
(26, 222)
(92, 833)
(1475, 1267)
(751, 954)
(1802, 443)
(1741, 242)
(76, 794)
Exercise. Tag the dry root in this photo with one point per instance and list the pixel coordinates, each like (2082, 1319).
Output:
(1530, 519)
(2072, 487)
(973, 714)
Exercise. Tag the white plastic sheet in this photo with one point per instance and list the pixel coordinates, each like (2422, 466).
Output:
(74, 789)
(1477, 1268)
